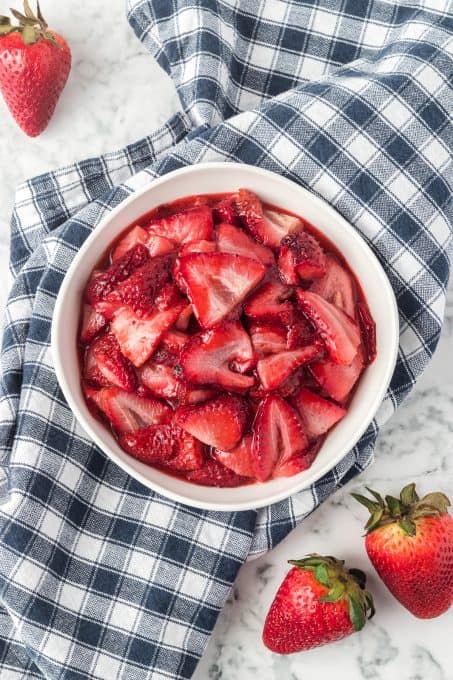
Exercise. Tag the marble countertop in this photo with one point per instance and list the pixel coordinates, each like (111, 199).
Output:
(113, 97)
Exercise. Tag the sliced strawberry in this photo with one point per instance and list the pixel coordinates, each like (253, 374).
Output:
(267, 227)
(208, 356)
(219, 422)
(165, 445)
(368, 330)
(183, 320)
(225, 211)
(139, 337)
(139, 291)
(267, 338)
(234, 240)
(102, 283)
(301, 255)
(339, 332)
(160, 379)
(129, 412)
(216, 283)
(91, 373)
(168, 297)
(105, 356)
(200, 246)
(189, 225)
(173, 341)
(293, 383)
(158, 245)
(215, 474)
(240, 459)
(92, 323)
(268, 303)
(135, 235)
(317, 414)
(277, 225)
(276, 368)
(277, 436)
(298, 463)
(337, 381)
(300, 333)
(194, 395)
(190, 455)
(336, 286)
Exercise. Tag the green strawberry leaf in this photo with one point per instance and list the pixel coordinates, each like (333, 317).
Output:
(408, 495)
(408, 526)
(356, 613)
(369, 504)
(334, 593)
(322, 575)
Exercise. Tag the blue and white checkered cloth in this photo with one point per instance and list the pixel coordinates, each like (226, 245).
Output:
(100, 577)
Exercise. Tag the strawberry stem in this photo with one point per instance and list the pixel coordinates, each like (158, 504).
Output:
(32, 27)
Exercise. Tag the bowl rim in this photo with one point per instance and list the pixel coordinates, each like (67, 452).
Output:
(58, 360)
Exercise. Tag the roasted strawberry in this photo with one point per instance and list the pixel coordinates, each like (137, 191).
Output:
(276, 368)
(277, 436)
(134, 236)
(368, 330)
(216, 283)
(318, 415)
(158, 245)
(92, 323)
(104, 356)
(299, 463)
(168, 297)
(225, 211)
(301, 255)
(189, 225)
(267, 338)
(183, 320)
(200, 246)
(139, 291)
(129, 412)
(270, 303)
(300, 333)
(337, 381)
(339, 332)
(267, 227)
(277, 225)
(219, 422)
(240, 459)
(160, 379)
(208, 357)
(234, 240)
(165, 445)
(215, 474)
(102, 283)
(336, 286)
(173, 341)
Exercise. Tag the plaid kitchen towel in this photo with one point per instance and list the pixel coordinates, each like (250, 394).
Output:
(100, 577)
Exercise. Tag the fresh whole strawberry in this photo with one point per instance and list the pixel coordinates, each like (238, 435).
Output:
(318, 602)
(410, 543)
(34, 67)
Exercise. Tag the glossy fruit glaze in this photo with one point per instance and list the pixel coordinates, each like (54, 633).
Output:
(221, 338)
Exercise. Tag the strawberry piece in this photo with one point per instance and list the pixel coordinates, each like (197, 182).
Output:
(300, 333)
(277, 436)
(133, 237)
(189, 225)
(276, 368)
(339, 332)
(267, 338)
(208, 356)
(158, 246)
(102, 283)
(298, 463)
(240, 459)
(173, 341)
(139, 337)
(183, 320)
(301, 254)
(139, 291)
(194, 395)
(91, 373)
(268, 303)
(165, 445)
(231, 239)
(129, 412)
(318, 415)
(92, 323)
(292, 384)
(277, 225)
(105, 356)
(268, 227)
(225, 211)
(336, 286)
(368, 330)
(199, 246)
(216, 283)
(337, 381)
(219, 422)
(160, 379)
(215, 474)
(168, 297)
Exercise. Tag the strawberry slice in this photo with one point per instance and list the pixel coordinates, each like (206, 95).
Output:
(336, 286)
(134, 236)
(129, 412)
(219, 422)
(215, 474)
(173, 341)
(268, 303)
(217, 282)
(102, 283)
(92, 323)
(183, 320)
(165, 445)
(318, 415)
(104, 356)
(168, 297)
(139, 291)
(139, 337)
(160, 379)
(298, 463)
(199, 246)
(267, 227)
(301, 255)
(277, 436)
(225, 211)
(189, 225)
(300, 333)
(240, 459)
(158, 245)
(267, 338)
(337, 381)
(231, 239)
(368, 330)
(194, 395)
(277, 225)
(273, 370)
(208, 357)
(339, 332)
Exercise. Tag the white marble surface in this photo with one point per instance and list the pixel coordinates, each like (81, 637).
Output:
(116, 94)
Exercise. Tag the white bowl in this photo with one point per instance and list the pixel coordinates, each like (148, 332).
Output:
(217, 178)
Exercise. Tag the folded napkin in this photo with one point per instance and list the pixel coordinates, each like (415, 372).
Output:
(101, 577)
